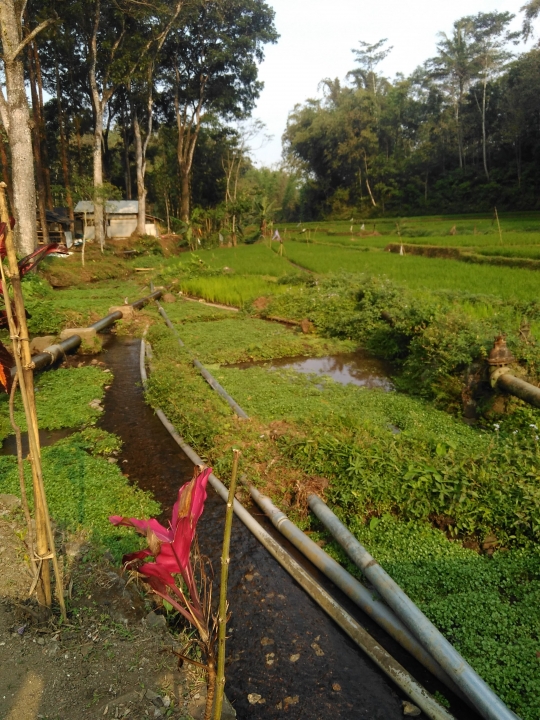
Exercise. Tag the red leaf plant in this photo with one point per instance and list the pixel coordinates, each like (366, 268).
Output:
(171, 550)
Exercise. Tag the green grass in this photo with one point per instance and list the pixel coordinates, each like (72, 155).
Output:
(235, 340)
(420, 272)
(84, 489)
(62, 399)
(188, 311)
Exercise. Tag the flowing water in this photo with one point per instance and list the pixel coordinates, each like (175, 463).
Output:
(282, 646)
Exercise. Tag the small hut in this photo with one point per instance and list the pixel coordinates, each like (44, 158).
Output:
(120, 216)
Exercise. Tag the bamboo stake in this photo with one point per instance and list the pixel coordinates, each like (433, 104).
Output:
(222, 619)
(23, 359)
(499, 226)
(20, 466)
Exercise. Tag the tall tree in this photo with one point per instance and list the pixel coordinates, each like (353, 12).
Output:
(453, 68)
(16, 120)
(211, 66)
(491, 54)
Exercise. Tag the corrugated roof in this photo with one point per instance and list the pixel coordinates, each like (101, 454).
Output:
(112, 207)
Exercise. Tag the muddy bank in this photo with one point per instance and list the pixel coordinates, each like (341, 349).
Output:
(282, 647)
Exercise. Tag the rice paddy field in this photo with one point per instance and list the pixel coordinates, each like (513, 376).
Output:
(438, 476)
(426, 492)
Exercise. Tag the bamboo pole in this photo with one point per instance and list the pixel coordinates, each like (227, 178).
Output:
(499, 226)
(222, 619)
(45, 549)
(20, 467)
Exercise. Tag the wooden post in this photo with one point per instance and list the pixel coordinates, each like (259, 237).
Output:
(45, 549)
(222, 619)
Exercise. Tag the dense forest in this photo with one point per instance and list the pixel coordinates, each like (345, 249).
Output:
(153, 101)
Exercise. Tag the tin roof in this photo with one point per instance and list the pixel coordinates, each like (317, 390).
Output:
(112, 207)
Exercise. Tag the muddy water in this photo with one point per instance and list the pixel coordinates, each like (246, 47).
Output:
(46, 437)
(358, 368)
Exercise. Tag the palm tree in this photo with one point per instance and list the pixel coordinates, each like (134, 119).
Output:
(453, 67)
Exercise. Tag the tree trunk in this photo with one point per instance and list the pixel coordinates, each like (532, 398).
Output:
(98, 179)
(184, 193)
(140, 165)
(64, 150)
(16, 117)
(6, 176)
(127, 165)
(484, 134)
(36, 146)
(42, 132)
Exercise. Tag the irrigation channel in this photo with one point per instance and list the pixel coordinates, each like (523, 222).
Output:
(282, 646)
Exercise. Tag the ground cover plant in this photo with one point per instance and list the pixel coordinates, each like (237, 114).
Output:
(404, 483)
(83, 489)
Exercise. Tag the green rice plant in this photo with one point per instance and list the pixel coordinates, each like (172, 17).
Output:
(235, 290)
(420, 272)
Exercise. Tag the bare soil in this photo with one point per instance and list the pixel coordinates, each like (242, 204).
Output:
(113, 659)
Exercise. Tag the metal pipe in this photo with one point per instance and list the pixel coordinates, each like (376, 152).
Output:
(354, 590)
(488, 704)
(356, 632)
(520, 388)
(107, 321)
(210, 379)
(54, 352)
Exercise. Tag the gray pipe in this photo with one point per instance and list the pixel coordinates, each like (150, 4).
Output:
(520, 388)
(488, 704)
(356, 632)
(55, 352)
(210, 379)
(359, 594)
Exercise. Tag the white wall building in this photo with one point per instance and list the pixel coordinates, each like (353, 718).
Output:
(121, 219)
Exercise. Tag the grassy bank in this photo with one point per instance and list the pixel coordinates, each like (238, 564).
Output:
(423, 491)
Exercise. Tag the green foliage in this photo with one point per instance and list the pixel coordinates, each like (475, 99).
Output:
(83, 490)
(486, 606)
(62, 399)
(148, 245)
(231, 341)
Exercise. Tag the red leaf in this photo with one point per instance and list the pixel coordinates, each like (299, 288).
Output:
(6, 363)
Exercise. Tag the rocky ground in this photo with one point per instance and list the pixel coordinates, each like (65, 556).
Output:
(113, 658)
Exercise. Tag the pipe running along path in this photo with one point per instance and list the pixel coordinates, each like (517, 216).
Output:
(396, 672)
(488, 704)
(210, 379)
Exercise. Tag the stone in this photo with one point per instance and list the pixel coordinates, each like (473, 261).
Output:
(39, 344)
(128, 312)
(168, 298)
(267, 641)
(410, 710)
(318, 650)
(254, 698)
(151, 695)
(336, 687)
(10, 502)
(291, 700)
(87, 334)
(295, 657)
(156, 622)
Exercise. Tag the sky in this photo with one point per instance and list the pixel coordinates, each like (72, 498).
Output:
(316, 41)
